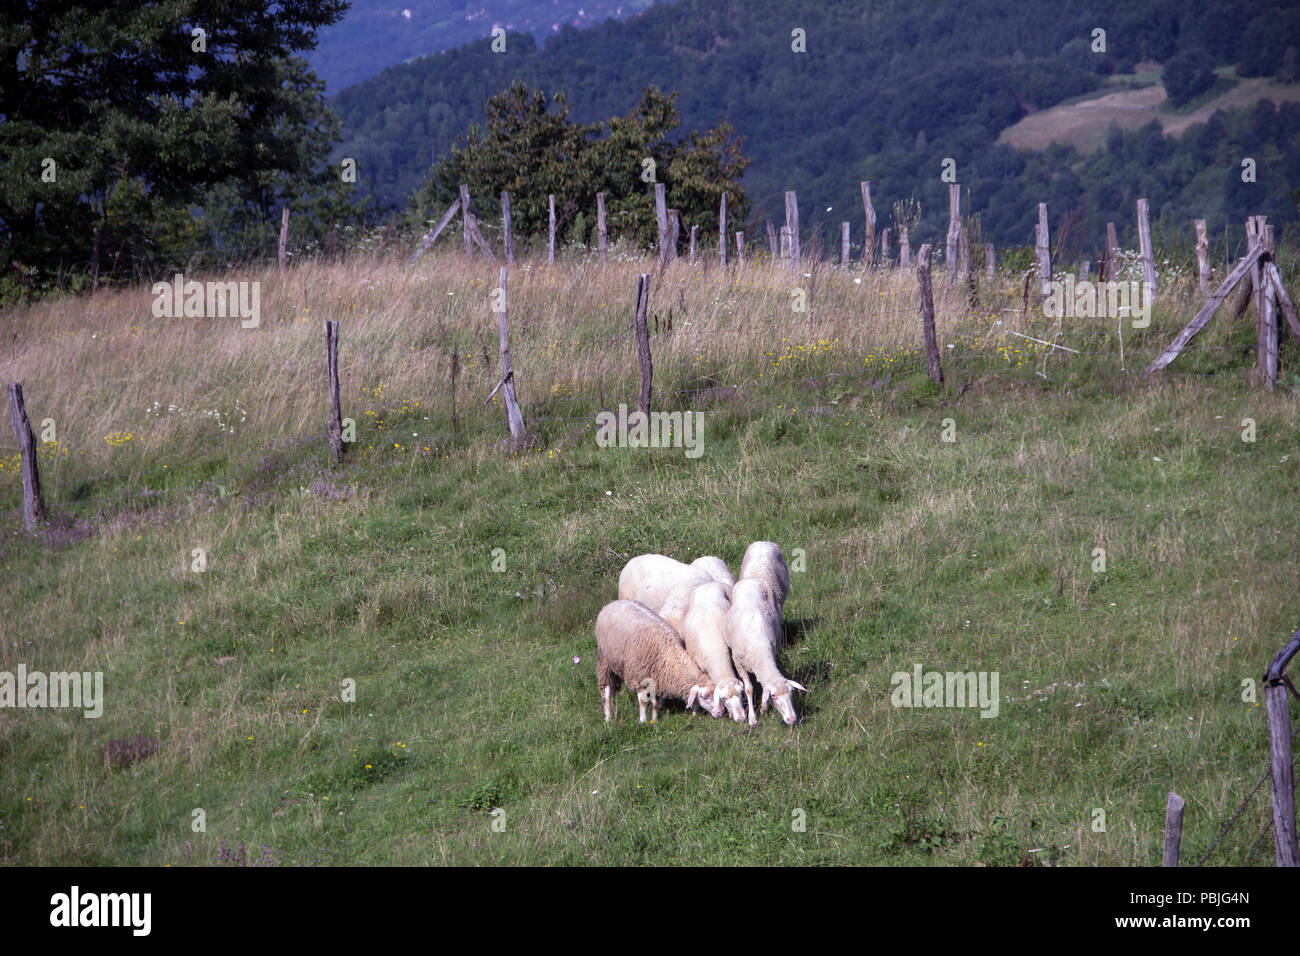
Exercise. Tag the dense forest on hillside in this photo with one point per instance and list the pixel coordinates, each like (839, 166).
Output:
(884, 92)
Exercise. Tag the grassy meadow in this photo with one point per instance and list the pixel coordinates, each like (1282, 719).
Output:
(475, 688)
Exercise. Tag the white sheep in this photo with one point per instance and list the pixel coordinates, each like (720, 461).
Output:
(715, 568)
(764, 561)
(649, 578)
(635, 645)
(753, 633)
(702, 630)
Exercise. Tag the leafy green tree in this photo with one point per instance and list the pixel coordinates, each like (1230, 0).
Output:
(532, 152)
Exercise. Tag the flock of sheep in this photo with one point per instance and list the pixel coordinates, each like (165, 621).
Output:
(695, 633)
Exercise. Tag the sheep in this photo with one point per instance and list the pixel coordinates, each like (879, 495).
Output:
(635, 645)
(753, 632)
(764, 561)
(715, 568)
(649, 578)
(702, 631)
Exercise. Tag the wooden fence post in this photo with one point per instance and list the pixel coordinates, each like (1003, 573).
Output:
(927, 314)
(674, 229)
(661, 214)
(1042, 251)
(1279, 748)
(771, 240)
(642, 329)
(954, 234)
(989, 259)
(1084, 266)
(785, 243)
(792, 224)
(1112, 254)
(33, 503)
(884, 248)
(844, 245)
(904, 248)
(284, 237)
(963, 251)
(514, 418)
(1173, 828)
(550, 253)
(94, 262)
(740, 250)
(1144, 248)
(332, 380)
(694, 230)
(1203, 257)
(432, 234)
(467, 231)
(722, 231)
(602, 238)
(869, 237)
(509, 238)
(1270, 330)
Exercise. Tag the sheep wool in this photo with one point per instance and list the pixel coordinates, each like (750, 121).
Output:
(634, 645)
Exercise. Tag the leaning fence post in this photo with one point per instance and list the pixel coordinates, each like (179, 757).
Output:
(642, 330)
(1173, 828)
(1279, 748)
(844, 245)
(927, 314)
(284, 237)
(513, 416)
(694, 230)
(465, 228)
(332, 379)
(33, 504)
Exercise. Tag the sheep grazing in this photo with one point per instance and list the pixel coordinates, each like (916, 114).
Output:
(650, 578)
(702, 630)
(635, 645)
(753, 633)
(715, 568)
(764, 561)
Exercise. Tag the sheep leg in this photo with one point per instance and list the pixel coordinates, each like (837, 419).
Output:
(641, 697)
(767, 698)
(606, 696)
(749, 689)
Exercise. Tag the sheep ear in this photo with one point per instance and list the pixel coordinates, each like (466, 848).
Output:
(690, 698)
(797, 686)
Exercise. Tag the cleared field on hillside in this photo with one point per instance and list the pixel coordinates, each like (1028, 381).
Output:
(475, 689)
(1084, 123)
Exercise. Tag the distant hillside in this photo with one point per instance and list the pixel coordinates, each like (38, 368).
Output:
(884, 92)
(380, 33)
(1084, 123)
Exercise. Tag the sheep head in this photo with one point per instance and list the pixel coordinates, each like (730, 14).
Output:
(731, 693)
(705, 695)
(783, 700)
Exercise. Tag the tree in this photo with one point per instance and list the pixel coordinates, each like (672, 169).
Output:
(531, 152)
(162, 99)
(1187, 75)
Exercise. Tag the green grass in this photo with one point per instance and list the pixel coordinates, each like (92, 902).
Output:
(975, 554)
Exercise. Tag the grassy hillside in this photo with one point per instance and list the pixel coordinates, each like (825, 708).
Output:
(1085, 121)
(475, 689)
